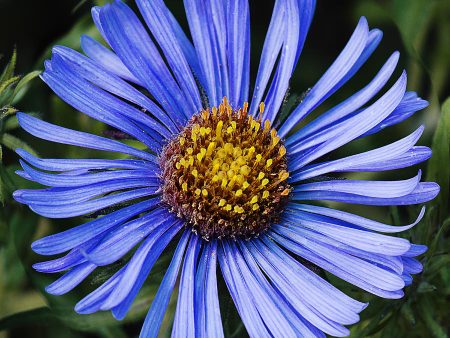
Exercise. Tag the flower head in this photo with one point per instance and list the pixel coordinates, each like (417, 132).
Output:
(223, 176)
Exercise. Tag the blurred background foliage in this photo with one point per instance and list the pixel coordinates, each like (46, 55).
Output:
(420, 29)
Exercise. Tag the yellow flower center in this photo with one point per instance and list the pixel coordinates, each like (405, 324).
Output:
(226, 173)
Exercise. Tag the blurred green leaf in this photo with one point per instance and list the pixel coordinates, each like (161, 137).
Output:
(23, 83)
(13, 143)
(425, 287)
(438, 166)
(8, 72)
(427, 311)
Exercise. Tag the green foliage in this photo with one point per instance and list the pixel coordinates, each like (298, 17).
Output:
(11, 88)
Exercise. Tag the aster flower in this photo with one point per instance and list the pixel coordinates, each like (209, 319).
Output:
(222, 174)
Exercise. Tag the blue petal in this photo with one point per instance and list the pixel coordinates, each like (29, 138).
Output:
(155, 315)
(409, 105)
(358, 125)
(132, 280)
(424, 192)
(92, 302)
(361, 239)
(102, 106)
(238, 50)
(84, 208)
(184, 321)
(408, 279)
(68, 261)
(50, 132)
(108, 81)
(73, 237)
(412, 157)
(411, 265)
(351, 104)
(281, 34)
(270, 313)
(89, 164)
(106, 59)
(129, 39)
(61, 196)
(157, 17)
(332, 78)
(377, 189)
(297, 287)
(367, 158)
(66, 180)
(123, 238)
(351, 269)
(241, 296)
(272, 46)
(393, 263)
(71, 279)
(415, 250)
(345, 108)
(206, 46)
(334, 215)
(287, 61)
(303, 328)
(214, 326)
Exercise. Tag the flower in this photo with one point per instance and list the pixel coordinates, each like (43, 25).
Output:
(230, 181)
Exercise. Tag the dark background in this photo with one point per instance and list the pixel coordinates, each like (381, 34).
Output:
(419, 29)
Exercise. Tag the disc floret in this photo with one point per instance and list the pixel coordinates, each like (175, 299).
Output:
(226, 173)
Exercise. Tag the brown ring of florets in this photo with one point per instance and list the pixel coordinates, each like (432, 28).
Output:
(226, 173)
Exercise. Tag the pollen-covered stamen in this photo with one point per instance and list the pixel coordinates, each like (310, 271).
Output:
(226, 173)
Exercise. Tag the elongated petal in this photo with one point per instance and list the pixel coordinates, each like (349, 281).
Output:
(287, 61)
(377, 189)
(183, 325)
(123, 238)
(270, 313)
(67, 180)
(206, 46)
(248, 312)
(357, 125)
(71, 279)
(351, 104)
(238, 50)
(139, 267)
(157, 17)
(335, 73)
(88, 164)
(104, 79)
(360, 239)
(106, 59)
(91, 206)
(130, 41)
(424, 192)
(332, 215)
(73, 237)
(368, 158)
(159, 305)
(348, 272)
(51, 132)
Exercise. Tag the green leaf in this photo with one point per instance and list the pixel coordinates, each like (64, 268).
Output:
(408, 313)
(425, 287)
(13, 143)
(438, 166)
(40, 315)
(24, 82)
(435, 328)
(8, 83)
(6, 111)
(9, 69)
